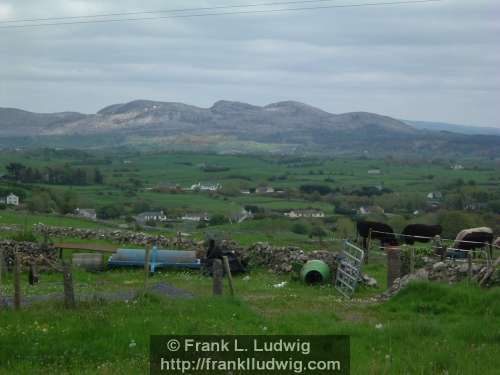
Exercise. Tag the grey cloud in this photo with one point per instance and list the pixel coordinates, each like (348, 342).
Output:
(432, 62)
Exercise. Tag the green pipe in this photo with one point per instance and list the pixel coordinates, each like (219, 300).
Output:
(315, 272)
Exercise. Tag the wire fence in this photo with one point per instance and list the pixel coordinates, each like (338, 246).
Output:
(436, 238)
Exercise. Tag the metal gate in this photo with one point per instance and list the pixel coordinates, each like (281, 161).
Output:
(349, 269)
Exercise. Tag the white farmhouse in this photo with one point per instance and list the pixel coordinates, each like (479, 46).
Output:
(305, 213)
(195, 217)
(87, 213)
(210, 187)
(11, 200)
(157, 216)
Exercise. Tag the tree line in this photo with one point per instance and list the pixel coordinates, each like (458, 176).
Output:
(64, 175)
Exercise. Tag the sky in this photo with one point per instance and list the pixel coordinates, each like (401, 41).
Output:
(435, 61)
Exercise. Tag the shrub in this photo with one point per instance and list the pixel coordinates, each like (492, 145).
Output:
(218, 219)
(300, 228)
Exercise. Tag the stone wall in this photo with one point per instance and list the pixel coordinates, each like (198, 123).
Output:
(282, 259)
(28, 250)
(117, 236)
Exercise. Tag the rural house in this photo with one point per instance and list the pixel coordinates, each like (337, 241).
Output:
(241, 216)
(264, 190)
(435, 195)
(86, 213)
(10, 200)
(206, 187)
(367, 210)
(156, 216)
(195, 217)
(305, 213)
(374, 171)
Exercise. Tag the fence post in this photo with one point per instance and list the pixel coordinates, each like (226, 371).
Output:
(412, 260)
(227, 269)
(3, 303)
(469, 265)
(217, 274)
(368, 245)
(393, 264)
(69, 292)
(33, 274)
(17, 281)
(147, 255)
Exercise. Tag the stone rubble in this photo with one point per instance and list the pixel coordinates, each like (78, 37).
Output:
(447, 271)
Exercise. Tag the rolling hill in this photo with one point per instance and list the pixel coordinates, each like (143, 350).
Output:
(230, 126)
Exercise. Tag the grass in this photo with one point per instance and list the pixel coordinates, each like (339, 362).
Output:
(427, 329)
(10, 217)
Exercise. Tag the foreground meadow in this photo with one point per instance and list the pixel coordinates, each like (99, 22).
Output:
(426, 329)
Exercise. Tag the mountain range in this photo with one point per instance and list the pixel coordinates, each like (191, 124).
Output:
(230, 126)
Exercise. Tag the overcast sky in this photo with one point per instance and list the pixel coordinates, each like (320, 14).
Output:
(436, 61)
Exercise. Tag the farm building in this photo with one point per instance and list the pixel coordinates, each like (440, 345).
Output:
(374, 171)
(87, 213)
(210, 187)
(195, 217)
(11, 200)
(151, 216)
(435, 195)
(264, 190)
(367, 210)
(305, 213)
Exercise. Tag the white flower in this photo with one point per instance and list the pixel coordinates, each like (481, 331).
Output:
(280, 285)
(379, 326)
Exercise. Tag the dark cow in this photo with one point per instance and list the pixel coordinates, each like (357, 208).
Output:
(379, 231)
(470, 239)
(420, 233)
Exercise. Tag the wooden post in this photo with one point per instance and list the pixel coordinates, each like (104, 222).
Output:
(17, 281)
(69, 292)
(2, 263)
(393, 264)
(227, 269)
(147, 257)
(2, 300)
(368, 245)
(412, 260)
(469, 265)
(217, 274)
(33, 274)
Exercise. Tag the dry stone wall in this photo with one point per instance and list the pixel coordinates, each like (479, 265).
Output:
(28, 250)
(117, 236)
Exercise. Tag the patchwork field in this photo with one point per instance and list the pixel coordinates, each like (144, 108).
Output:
(429, 328)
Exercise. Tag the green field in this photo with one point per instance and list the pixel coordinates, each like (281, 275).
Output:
(428, 328)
